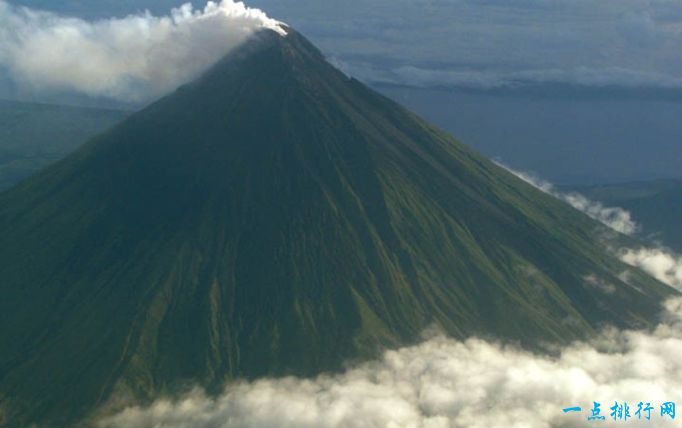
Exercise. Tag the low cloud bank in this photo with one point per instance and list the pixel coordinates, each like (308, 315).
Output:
(616, 218)
(130, 59)
(448, 383)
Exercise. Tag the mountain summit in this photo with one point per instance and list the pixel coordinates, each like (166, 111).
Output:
(277, 217)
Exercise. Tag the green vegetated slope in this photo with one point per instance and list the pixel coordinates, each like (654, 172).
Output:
(277, 217)
(35, 135)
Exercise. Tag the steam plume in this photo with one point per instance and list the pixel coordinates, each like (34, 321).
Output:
(131, 59)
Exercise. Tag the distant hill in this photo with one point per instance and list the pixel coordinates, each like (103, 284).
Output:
(276, 217)
(655, 205)
(35, 135)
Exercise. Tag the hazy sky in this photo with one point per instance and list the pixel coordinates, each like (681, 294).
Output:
(630, 50)
(480, 43)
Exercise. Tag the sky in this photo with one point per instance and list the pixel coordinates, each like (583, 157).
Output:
(577, 91)
(472, 43)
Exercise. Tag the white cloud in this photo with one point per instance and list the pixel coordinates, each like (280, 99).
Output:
(496, 43)
(481, 44)
(614, 217)
(603, 285)
(661, 264)
(131, 59)
(462, 43)
(446, 383)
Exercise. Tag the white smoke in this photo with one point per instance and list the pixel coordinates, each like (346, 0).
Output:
(129, 59)
(448, 383)
(614, 217)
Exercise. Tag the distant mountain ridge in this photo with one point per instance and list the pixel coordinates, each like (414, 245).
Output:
(276, 217)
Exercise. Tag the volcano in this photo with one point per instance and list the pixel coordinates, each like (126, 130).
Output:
(277, 217)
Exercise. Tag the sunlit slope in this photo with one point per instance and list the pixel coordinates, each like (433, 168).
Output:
(276, 217)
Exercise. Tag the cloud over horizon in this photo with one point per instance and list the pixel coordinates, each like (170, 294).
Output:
(498, 79)
(475, 44)
(495, 43)
(131, 59)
